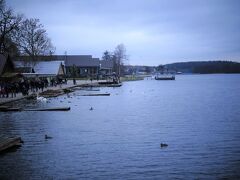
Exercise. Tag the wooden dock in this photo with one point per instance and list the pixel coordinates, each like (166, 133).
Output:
(50, 109)
(102, 94)
(7, 109)
(9, 142)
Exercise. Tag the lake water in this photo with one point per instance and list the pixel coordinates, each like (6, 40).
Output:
(198, 116)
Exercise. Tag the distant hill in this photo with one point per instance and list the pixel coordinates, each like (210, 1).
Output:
(205, 67)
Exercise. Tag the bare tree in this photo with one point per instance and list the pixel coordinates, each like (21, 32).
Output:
(32, 39)
(8, 24)
(120, 57)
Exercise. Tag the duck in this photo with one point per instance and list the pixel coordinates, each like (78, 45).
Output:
(91, 109)
(47, 137)
(163, 145)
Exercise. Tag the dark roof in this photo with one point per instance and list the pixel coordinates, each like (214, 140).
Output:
(77, 60)
(3, 60)
(24, 70)
(106, 64)
(23, 64)
(53, 57)
(82, 61)
(41, 58)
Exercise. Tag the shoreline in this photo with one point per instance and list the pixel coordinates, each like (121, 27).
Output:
(67, 88)
(64, 88)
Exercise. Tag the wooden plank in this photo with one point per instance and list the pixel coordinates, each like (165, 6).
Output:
(6, 143)
(50, 109)
(6, 109)
(114, 85)
(90, 89)
(103, 94)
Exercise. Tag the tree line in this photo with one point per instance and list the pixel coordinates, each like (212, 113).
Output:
(205, 67)
(22, 36)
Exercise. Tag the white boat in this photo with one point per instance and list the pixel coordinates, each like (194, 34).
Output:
(164, 76)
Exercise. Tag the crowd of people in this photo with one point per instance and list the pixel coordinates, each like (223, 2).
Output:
(26, 85)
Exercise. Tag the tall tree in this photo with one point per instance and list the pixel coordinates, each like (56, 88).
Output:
(32, 39)
(120, 57)
(9, 22)
(106, 56)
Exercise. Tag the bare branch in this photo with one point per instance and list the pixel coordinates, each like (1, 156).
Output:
(32, 39)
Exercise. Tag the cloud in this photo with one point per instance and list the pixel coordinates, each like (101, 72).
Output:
(154, 31)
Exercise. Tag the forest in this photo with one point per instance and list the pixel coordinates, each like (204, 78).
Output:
(205, 67)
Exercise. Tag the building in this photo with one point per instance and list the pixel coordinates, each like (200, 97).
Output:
(47, 69)
(82, 66)
(106, 67)
(77, 65)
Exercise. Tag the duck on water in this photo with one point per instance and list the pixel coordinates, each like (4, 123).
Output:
(47, 137)
(163, 145)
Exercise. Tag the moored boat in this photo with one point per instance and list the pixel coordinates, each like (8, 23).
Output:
(165, 77)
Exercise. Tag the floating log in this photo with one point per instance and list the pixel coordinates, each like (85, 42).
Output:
(108, 82)
(88, 85)
(50, 109)
(103, 94)
(68, 90)
(8, 108)
(90, 89)
(7, 143)
(51, 93)
(114, 85)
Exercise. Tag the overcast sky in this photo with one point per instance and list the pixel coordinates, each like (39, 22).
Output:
(153, 31)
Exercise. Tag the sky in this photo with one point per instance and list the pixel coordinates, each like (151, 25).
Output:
(153, 31)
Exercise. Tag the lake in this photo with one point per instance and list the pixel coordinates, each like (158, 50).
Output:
(198, 116)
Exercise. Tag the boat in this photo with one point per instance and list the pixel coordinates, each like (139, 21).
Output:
(164, 76)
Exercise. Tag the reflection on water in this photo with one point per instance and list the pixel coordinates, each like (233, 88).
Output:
(196, 115)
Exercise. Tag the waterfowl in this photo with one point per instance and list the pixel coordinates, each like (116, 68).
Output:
(91, 109)
(163, 145)
(47, 137)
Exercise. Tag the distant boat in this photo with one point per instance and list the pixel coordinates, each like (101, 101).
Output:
(165, 76)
